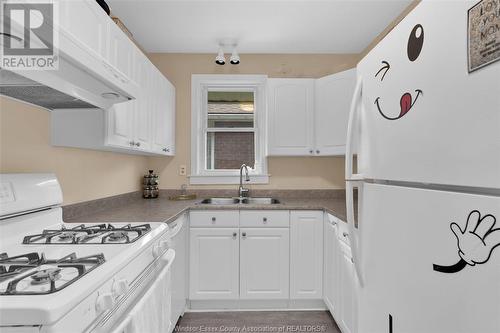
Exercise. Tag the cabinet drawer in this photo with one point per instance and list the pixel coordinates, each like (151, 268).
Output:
(214, 218)
(265, 218)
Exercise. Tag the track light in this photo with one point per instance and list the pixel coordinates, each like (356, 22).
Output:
(235, 58)
(220, 59)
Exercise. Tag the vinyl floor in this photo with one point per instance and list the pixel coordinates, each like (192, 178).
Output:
(257, 322)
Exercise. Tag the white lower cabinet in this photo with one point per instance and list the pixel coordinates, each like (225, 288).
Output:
(247, 257)
(331, 263)
(306, 258)
(264, 263)
(347, 298)
(214, 263)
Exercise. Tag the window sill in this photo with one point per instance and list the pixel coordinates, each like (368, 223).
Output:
(227, 179)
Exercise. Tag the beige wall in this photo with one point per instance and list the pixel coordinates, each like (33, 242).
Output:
(289, 173)
(84, 174)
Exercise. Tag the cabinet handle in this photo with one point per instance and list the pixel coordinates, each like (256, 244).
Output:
(317, 151)
(166, 150)
(132, 143)
(264, 219)
(234, 235)
(311, 151)
(138, 144)
(244, 234)
(345, 234)
(213, 219)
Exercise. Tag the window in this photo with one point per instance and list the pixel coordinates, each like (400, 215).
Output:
(227, 128)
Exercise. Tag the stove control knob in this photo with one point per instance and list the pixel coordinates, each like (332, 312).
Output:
(120, 287)
(104, 302)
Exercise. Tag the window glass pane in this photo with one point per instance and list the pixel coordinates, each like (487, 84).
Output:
(229, 150)
(230, 109)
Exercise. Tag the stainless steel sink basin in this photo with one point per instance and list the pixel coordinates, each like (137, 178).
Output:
(260, 201)
(235, 201)
(220, 201)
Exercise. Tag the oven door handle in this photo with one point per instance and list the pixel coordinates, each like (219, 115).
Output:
(124, 301)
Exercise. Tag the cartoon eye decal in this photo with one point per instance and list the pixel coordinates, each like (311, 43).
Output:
(384, 69)
(415, 42)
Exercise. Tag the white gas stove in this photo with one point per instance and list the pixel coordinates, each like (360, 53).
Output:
(64, 277)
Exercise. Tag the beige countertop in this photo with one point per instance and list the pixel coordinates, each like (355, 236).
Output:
(164, 210)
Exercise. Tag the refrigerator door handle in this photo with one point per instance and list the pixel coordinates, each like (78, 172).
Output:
(351, 127)
(353, 231)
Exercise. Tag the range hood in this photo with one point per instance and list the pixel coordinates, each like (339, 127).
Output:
(24, 89)
(68, 87)
(83, 79)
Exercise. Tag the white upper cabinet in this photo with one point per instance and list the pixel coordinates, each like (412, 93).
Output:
(308, 117)
(119, 124)
(290, 116)
(306, 257)
(332, 103)
(121, 53)
(86, 23)
(163, 128)
(144, 125)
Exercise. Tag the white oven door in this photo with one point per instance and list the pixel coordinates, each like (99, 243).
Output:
(151, 311)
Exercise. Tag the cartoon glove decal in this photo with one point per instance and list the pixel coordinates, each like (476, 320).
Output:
(475, 243)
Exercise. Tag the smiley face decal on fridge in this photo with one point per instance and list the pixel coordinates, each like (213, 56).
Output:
(475, 242)
(408, 99)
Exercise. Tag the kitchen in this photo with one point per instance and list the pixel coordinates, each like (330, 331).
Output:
(302, 179)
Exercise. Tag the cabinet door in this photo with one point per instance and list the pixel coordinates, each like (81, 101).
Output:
(290, 116)
(346, 292)
(164, 117)
(214, 263)
(119, 130)
(333, 98)
(145, 105)
(264, 263)
(121, 53)
(331, 258)
(179, 267)
(86, 23)
(306, 251)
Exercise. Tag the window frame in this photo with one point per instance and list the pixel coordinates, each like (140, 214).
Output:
(200, 85)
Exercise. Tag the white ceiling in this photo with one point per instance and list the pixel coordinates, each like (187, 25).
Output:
(259, 26)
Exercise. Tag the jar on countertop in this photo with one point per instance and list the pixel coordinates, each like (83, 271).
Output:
(150, 185)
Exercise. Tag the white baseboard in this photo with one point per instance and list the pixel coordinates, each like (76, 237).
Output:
(255, 305)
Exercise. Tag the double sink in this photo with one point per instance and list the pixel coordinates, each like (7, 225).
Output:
(237, 201)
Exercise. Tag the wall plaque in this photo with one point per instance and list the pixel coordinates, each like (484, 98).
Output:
(483, 38)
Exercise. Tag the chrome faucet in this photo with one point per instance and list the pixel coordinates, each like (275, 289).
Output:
(242, 191)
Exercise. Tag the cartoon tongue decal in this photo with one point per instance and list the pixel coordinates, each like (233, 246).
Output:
(405, 103)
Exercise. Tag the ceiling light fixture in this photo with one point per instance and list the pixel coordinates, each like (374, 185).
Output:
(235, 58)
(220, 59)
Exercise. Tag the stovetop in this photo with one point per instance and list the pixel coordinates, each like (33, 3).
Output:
(90, 234)
(33, 274)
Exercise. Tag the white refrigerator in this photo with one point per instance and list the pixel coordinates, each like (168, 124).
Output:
(424, 143)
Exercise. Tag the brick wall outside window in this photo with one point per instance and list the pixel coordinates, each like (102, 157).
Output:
(232, 149)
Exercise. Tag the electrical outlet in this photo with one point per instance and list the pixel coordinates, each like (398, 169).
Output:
(182, 170)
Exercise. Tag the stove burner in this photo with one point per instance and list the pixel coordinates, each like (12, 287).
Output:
(67, 235)
(46, 275)
(39, 271)
(82, 234)
(117, 236)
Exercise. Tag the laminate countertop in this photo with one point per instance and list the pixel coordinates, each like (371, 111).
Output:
(164, 210)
